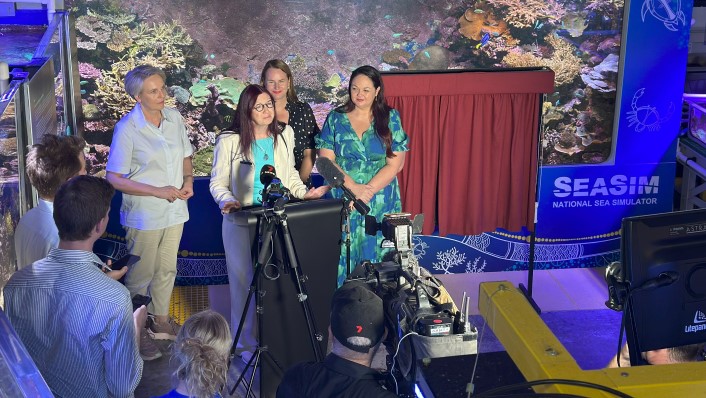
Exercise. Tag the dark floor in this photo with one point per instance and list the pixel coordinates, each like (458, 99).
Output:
(573, 309)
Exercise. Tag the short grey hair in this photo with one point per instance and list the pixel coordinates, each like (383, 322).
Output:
(136, 77)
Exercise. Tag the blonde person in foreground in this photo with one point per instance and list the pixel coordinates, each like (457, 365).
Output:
(201, 352)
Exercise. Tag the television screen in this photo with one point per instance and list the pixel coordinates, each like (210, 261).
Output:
(664, 263)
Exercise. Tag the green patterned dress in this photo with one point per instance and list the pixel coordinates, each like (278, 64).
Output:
(361, 159)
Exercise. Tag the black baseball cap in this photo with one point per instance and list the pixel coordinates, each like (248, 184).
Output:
(357, 316)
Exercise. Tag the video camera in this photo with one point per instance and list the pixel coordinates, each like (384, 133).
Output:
(415, 302)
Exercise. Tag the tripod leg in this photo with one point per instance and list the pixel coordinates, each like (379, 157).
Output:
(268, 230)
(253, 362)
(255, 358)
(302, 296)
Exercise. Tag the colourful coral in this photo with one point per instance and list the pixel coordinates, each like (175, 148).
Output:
(160, 44)
(474, 25)
(606, 6)
(88, 71)
(111, 96)
(565, 64)
(574, 23)
(602, 77)
(180, 94)
(228, 89)
(93, 28)
(525, 13)
(396, 57)
(120, 40)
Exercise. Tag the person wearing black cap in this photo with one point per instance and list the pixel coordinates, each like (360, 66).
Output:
(357, 329)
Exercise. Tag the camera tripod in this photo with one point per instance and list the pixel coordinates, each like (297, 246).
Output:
(274, 220)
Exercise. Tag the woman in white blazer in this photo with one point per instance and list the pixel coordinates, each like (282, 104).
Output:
(257, 140)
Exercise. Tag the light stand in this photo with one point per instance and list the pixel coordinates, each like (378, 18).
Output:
(349, 199)
(527, 291)
(346, 227)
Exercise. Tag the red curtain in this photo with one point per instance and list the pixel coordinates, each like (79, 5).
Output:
(473, 137)
(419, 177)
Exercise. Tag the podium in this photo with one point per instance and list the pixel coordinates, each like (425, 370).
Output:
(315, 228)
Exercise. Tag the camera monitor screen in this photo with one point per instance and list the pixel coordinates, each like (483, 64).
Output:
(664, 262)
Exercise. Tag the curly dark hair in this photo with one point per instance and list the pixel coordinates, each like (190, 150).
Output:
(52, 161)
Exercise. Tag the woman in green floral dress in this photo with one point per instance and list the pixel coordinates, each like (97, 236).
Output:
(364, 137)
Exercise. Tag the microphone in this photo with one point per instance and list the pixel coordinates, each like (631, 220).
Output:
(331, 173)
(334, 177)
(267, 174)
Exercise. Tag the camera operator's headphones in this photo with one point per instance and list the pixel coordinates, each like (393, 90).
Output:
(619, 289)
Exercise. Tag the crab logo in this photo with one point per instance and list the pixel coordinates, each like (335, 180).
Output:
(646, 116)
(668, 12)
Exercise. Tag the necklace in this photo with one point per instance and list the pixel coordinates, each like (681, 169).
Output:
(265, 156)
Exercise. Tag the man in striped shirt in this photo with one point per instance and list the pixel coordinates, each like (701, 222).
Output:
(76, 322)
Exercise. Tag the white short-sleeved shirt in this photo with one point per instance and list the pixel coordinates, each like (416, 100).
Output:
(35, 234)
(154, 156)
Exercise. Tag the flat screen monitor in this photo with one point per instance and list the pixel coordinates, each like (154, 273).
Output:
(664, 264)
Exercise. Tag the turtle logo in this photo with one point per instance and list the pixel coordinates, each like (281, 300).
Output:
(668, 12)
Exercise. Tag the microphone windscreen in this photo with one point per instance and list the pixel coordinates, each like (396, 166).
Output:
(329, 171)
(267, 174)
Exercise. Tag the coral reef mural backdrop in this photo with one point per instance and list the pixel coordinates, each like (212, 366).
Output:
(211, 50)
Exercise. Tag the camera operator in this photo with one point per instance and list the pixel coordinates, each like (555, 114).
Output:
(357, 330)
(664, 356)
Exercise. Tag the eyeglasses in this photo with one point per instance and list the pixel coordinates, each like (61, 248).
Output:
(261, 107)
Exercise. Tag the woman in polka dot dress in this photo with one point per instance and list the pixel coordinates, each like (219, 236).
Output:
(277, 79)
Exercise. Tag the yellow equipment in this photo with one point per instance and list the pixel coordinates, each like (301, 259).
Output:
(539, 354)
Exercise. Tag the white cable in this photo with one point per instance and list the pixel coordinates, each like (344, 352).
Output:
(475, 363)
(501, 288)
(394, 358)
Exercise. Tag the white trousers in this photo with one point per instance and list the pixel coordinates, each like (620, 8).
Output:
(154, 274)
(236, 242)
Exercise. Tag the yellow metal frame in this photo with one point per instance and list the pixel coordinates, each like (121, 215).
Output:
(539, 354)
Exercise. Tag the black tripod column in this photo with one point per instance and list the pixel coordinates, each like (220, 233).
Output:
(302, 294)
(346, 224)
(268, 232)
